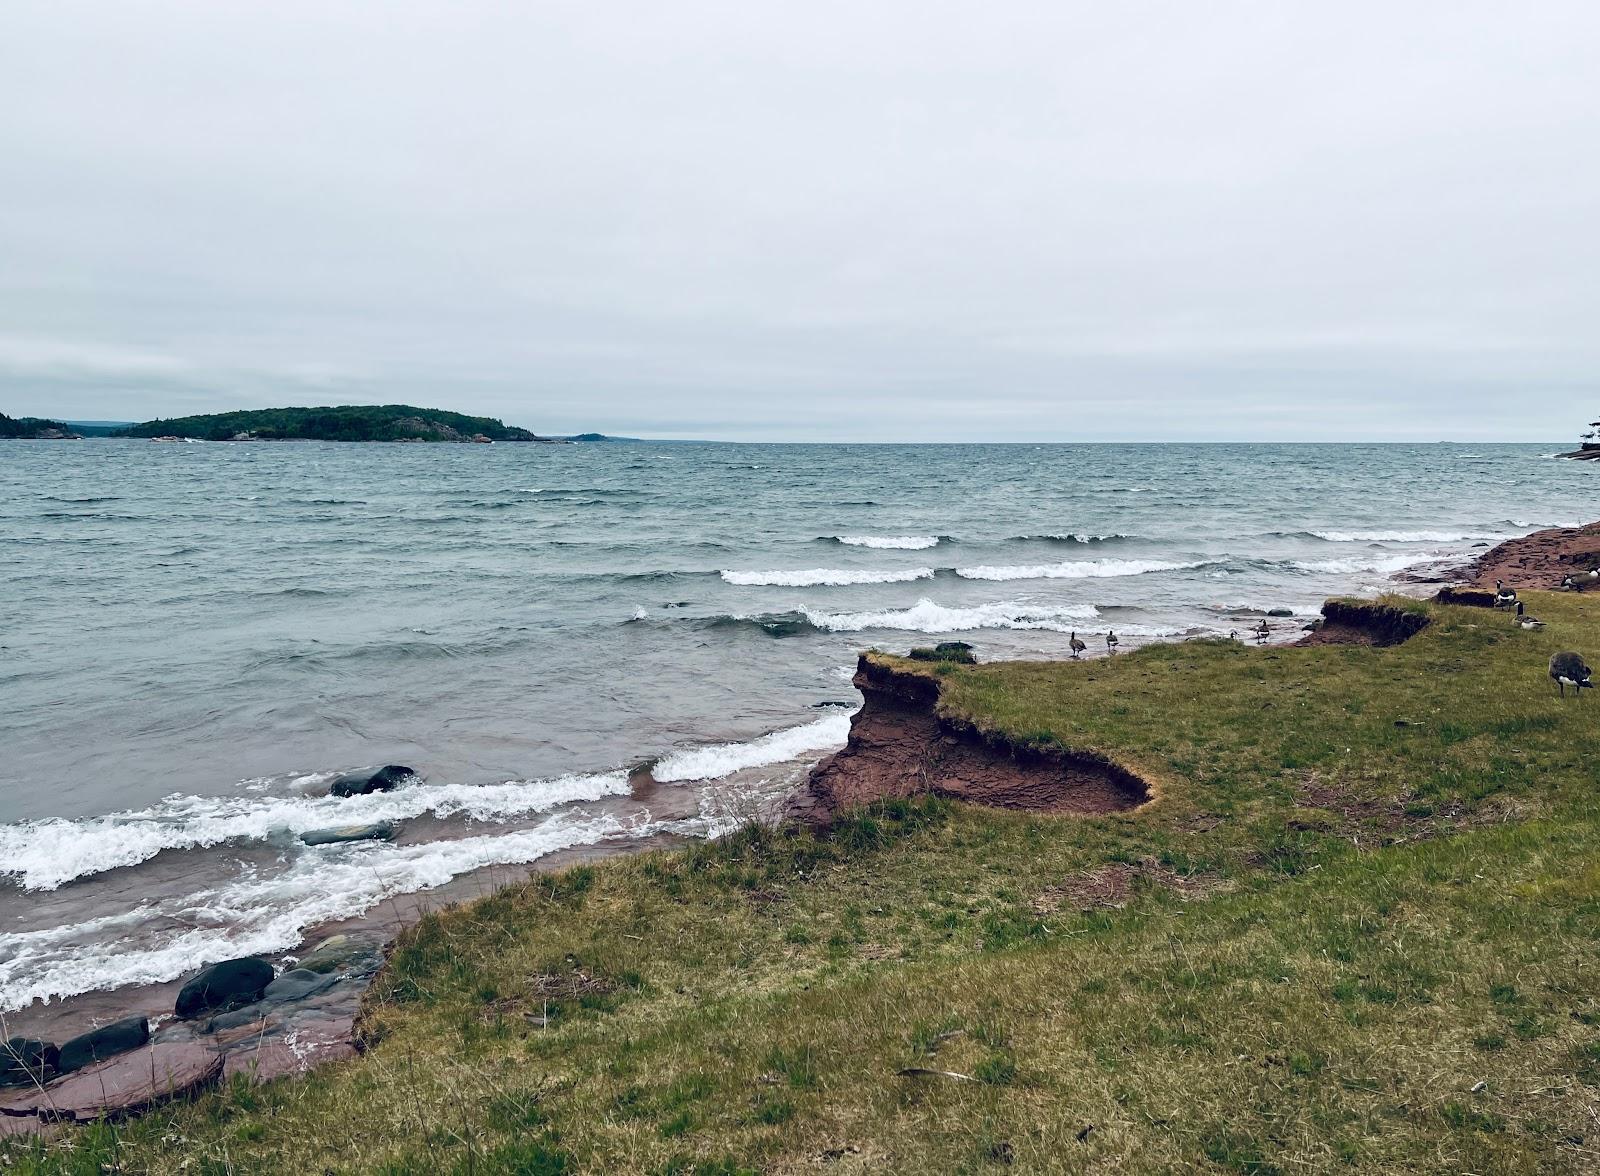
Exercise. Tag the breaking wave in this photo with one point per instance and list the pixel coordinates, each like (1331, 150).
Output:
(724, 759)
(1074, 569)
(890, 542)
(832, 577)
(44, 854)
(927, 617)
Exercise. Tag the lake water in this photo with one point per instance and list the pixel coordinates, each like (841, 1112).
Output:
(197, 636)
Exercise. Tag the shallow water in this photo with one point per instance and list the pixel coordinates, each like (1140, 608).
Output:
(199, 635)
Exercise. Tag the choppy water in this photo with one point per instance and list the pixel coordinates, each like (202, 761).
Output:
(196, 636)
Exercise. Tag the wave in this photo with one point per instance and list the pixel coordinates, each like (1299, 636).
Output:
(44, 854)
(832, 577)
(1403, 536)
(1383, 564)
(724, 759)
(927, 617)
(887, 542)
(261, 914)
(1070, 537)
(1075, 569)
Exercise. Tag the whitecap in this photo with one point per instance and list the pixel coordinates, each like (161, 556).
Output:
(724, 759)
(1401, 536)
(927, 617)
(890, 542)
(1074, 569)
(44, 854)
(832, 577)
(260, 914)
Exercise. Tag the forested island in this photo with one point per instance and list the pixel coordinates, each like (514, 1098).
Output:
(351, 422)
(34, 429)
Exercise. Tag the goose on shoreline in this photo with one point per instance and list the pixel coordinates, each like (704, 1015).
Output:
(1262, 631)
(1569, 669)
(1524, 621)
(1504, 597)
(1111, 640)
(1076, 644)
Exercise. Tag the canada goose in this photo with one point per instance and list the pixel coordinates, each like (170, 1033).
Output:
(1569, 583)
(1504, 597)
(1233, 634)
(1263, 630)
(1111, 640)
(1076, 644)
(1526, 622)
(1568, 669)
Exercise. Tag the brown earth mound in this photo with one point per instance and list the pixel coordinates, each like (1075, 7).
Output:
(1350, 622)
(1539, 560)
(900, 746)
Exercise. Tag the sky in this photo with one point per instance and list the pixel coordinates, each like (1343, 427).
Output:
(891, 221)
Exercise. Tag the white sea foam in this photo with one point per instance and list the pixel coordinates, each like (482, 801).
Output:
(927, 617)
(724, 759)
(1085, 569)
(1350, 566)
(262, 912)
(1402, 536)
(832, 577)
(891, 542)
(44, 854)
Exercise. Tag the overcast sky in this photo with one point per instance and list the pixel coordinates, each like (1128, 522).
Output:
(814, 221)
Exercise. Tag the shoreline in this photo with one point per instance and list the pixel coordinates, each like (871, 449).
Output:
(1539, 556)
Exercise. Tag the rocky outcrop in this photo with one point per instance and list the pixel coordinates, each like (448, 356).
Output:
(107, 1041)
(1359, 622)
(1539, 560)
(385, 779)
(124, 1085)
(901, 745)
(224, 986)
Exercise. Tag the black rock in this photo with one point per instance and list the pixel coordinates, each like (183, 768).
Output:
(25, 1061)
(224, 986)
(360, 783)
(297, 985)
(1280, 612)
(380, 831)
(105, 1042)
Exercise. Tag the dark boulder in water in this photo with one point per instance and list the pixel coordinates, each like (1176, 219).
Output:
(105, 1042)
(381, 831)
(1280, 612)
(25, 1061)
(385, 779)
(224, 986)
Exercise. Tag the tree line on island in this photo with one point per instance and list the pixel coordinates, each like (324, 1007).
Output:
(384, 422)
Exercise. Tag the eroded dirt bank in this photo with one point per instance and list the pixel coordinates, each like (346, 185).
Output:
(901, 746)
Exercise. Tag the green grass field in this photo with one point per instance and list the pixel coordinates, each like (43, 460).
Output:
(1358, 930)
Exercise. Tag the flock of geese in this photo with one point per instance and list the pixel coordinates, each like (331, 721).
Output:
(1566, 668)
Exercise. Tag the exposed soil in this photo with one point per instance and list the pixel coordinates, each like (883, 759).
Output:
(900, 746)
(1109, 887)
(1539, 560)
(1346, 622)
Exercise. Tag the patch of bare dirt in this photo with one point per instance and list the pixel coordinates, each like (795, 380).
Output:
(1110, 886)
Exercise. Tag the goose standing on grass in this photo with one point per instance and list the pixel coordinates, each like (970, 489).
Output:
(1568, 669)
(1075, 643)
(1111, 640)
(1524, 621)
(1504, 597)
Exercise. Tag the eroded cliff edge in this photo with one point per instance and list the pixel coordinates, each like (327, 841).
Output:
(901, 745)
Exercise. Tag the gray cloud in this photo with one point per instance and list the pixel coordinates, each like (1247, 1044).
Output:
(810, 221)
